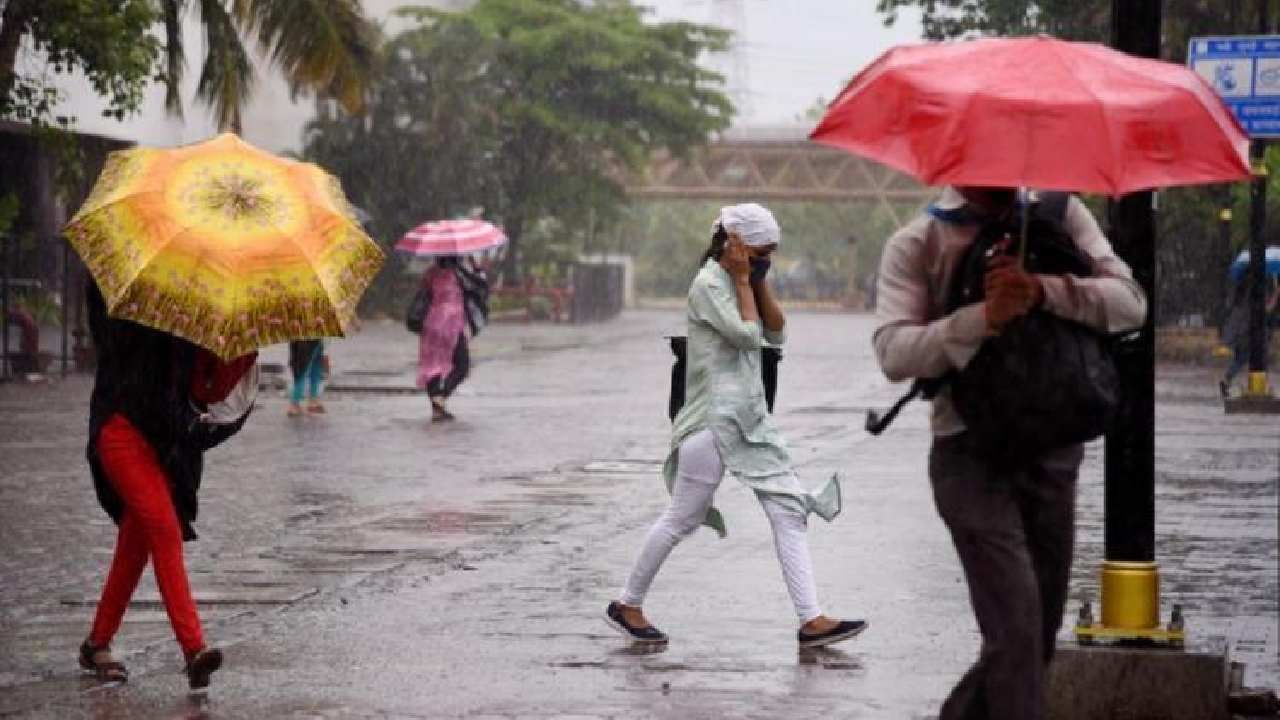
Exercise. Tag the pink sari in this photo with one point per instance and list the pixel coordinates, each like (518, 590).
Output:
(444, 326)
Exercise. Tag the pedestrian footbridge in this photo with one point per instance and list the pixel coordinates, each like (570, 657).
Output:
(773, 164)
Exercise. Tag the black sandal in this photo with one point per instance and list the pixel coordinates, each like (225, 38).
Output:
(98, 660)
(842, 631)
(201, 665)
(439, 413)
(643, 635)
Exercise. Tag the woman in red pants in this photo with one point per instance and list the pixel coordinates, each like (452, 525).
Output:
(149, 424)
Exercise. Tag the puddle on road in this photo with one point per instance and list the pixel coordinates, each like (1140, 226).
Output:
(448, 522)
(830, 410)
(623, 467)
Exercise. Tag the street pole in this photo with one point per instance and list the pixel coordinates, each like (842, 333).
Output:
(1258, 387)
(6, 242)
(1130, 578)
(65, 295)
(1222, 295)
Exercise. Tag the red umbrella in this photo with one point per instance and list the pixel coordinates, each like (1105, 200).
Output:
(1037, 112)
(451, 237)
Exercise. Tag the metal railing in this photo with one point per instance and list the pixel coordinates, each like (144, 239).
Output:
(31, 269)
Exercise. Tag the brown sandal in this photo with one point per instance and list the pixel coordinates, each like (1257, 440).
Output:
(98, 660)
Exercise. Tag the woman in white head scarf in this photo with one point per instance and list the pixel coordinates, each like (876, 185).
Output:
(725, 425)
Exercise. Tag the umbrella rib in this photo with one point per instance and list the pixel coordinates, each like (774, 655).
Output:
(141, 266)
(331, 306)
(1177, 87)
(1101, 107)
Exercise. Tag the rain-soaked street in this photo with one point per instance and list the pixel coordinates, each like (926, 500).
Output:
(368, 564)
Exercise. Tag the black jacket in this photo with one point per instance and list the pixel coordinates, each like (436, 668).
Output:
(301, 354)
(145, 375)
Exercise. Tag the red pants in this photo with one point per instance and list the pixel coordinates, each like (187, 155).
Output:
(148, 529)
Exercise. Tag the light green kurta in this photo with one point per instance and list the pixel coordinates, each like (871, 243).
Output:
(724, 393)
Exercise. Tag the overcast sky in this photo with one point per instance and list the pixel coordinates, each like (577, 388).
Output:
(799, 50)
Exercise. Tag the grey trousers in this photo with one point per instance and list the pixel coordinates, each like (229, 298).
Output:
(1014, 532)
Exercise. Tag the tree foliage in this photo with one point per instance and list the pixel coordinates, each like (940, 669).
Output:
(108, 40)
(325, 46)
(667, 239)
(531, 109)
(1079, 19)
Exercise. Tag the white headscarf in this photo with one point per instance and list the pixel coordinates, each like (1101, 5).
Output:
(753, 222)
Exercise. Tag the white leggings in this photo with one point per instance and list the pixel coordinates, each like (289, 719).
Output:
(699, 471)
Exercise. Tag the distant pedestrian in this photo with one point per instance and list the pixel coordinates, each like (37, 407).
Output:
(310, 367)
(1012, 526)
(158, 403)
(725, 425)
(457, 308)
(1235, 332)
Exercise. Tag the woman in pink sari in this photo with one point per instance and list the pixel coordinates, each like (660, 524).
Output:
(443, 358)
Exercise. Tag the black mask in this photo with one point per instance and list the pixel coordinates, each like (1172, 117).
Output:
(759, 268)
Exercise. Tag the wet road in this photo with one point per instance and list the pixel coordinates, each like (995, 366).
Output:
(367, 564)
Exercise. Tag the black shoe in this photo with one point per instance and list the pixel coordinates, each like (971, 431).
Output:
(651, 634)
(844, 630)
(201, 665)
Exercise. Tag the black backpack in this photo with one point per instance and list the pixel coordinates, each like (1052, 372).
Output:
(416, 315)
(769, 359)
(1044, 382)
(475, 297)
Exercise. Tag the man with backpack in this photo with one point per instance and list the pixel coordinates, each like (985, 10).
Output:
(1010, 514)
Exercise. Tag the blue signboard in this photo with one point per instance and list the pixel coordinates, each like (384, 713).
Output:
(1245, 70)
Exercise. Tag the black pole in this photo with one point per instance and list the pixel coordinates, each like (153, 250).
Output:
(1257, 264)
(6, 242)
(65, 295)
(1257, 243)
(1129, 496)
(1222, 297)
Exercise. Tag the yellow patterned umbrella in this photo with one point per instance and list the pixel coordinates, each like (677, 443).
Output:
(223, 244)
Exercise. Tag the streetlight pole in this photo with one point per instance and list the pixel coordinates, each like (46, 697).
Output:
(1258, 386)
(1130, 577)
(1258, 389)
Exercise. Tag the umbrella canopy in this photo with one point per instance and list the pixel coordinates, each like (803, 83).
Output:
(223, 244)
(1037, 112)
(1271, 259)
(451, 237)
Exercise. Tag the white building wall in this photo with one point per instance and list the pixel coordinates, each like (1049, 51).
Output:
(272, 119)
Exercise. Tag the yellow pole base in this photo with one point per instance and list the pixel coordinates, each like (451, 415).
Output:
(1130, 595)
(1258, 386)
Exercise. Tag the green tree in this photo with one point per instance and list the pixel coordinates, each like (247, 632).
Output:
(532, 109)
(422, 149)
(108, 40)
(586, 91)
(667, 239)
(1078, 19)
(326, 46)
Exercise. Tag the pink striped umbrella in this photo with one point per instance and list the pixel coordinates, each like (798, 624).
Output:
(451, 237)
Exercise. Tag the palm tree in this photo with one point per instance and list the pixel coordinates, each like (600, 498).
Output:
(325, 46)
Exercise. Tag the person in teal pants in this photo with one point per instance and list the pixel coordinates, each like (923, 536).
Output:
(308, 362)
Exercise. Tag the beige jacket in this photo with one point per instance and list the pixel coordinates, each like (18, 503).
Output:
(913, 338)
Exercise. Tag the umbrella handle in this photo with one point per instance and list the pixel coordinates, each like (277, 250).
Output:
(1026, 217)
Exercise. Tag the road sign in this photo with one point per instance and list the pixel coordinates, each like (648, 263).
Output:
(1245, 70)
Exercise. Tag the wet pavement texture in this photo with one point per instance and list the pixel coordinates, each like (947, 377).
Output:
(369, 564)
